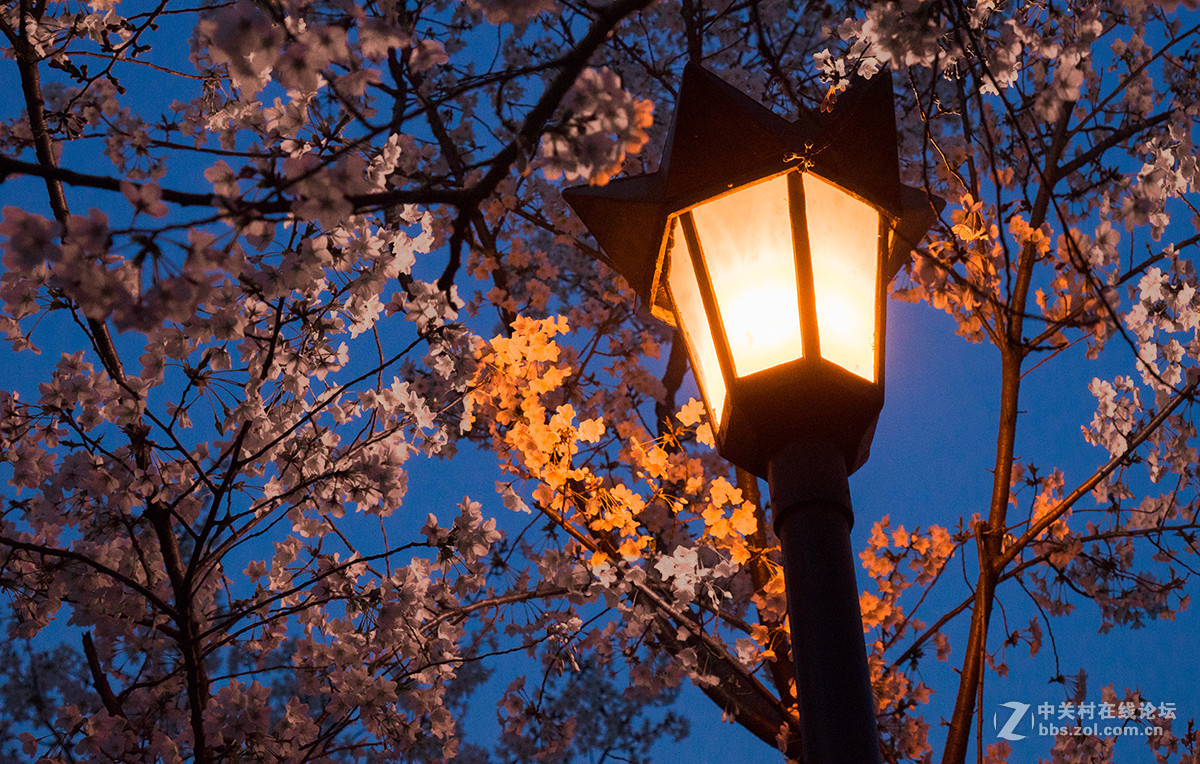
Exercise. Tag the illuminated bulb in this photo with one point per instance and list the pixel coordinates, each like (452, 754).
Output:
(843, 237)
(747, 241)
(763, 324)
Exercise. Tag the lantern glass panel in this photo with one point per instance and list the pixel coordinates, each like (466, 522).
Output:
(843, 237)
(747, 241)
(692, 321)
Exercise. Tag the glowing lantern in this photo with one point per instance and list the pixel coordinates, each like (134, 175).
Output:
(770, 244)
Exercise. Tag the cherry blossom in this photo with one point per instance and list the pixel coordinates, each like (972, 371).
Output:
(595, 109)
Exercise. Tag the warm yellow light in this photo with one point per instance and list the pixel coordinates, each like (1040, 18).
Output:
(750, 260)
(689, 307)
(763, 325)
(747, 241)
(843, 237)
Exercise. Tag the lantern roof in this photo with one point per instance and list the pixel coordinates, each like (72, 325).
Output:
(721, 138)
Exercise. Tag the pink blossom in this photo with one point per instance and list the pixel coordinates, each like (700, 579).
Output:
(427, 54)
(515, 12)
(242, 37)
(86, 236)
(30, 239)
(222, 177)
(145, 197)
(377, 36)
(603, 123)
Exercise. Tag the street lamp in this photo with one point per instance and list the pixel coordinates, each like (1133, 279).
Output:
(769, 244)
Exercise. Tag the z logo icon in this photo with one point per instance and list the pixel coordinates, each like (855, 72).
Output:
(1007, 732)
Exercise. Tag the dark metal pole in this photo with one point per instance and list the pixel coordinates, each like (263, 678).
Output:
(810, 500)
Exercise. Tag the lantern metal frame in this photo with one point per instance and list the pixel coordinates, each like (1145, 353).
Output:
(722, 141)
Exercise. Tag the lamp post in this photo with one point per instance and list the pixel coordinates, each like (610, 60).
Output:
(769, 244)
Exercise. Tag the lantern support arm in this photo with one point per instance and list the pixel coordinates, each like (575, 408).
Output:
(810, 504)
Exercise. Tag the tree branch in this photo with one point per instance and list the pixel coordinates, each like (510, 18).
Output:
(1086, 486)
